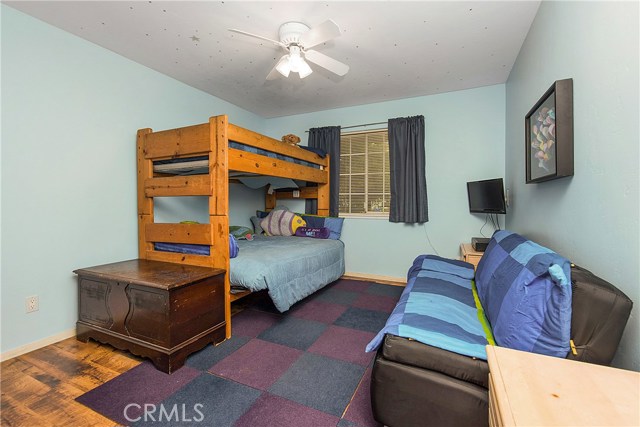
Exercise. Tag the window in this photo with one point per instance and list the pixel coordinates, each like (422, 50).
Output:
(364, 173)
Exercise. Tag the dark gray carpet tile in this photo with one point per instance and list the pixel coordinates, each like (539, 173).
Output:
(337, 296)
(210, 355)
(126, 394)
(385, 290)
(294, 332)
(346, 423)
(207, 401)
(334, 382)
(362, 319)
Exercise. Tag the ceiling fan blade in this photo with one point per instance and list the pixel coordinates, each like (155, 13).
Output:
(258, 37)
(320, 34)
(324, 61)
(274, 73)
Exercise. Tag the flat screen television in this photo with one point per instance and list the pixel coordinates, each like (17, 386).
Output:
(486, 196)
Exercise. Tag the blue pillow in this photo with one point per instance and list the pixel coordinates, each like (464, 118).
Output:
(233, 247)
(334, 224)
(525, 290)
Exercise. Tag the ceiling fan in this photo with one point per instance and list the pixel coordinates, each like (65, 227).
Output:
(298, 39)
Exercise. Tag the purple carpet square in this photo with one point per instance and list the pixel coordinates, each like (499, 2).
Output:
(386, 290)
(250, 323)
(294, 332)
(376, 302)
(320, 382)
(208, 400)
(257, 364)
(141, 385)
(359, 411)
(210, 355)
(344, 344)
(319, 311)
(272, 410)
(362, 319)
(337, 296)
(351, 285)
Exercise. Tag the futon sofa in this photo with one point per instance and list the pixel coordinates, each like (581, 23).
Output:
(419, 384)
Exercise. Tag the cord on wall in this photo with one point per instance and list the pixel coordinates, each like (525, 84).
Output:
(429, 240)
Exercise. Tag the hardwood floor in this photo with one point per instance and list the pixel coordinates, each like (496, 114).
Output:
(39, 388)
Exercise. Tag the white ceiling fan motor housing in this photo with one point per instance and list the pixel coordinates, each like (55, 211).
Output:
(290, 32)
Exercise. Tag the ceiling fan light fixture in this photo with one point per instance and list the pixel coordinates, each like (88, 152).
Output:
(304, 69)
(284, 66)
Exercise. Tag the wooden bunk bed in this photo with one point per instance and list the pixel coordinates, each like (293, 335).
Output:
(212, 140)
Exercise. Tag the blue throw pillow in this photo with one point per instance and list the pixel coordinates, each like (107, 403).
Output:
(525, 290)
(233, 247)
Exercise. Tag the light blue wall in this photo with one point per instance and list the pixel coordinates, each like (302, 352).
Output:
(591, 218)
(243, 203)
(464, 141)
(69, 114)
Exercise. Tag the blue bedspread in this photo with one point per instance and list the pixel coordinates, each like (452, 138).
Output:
(437, 308)
(290, 268)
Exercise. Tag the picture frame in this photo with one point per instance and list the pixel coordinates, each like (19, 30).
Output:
(549, 134)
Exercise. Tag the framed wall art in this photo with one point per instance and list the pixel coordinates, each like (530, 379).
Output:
(549, 134)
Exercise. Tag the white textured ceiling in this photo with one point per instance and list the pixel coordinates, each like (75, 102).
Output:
(395, 49)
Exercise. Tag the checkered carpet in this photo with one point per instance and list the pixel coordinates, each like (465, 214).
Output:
(306, 367)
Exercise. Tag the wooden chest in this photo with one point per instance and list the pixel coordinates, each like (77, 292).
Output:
(159, 310)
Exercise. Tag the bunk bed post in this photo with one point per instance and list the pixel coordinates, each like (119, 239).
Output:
(324, 193)
(269, 200)
(219, 205)
(145, 204)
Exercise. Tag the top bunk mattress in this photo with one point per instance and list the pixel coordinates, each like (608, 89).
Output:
(200, 164)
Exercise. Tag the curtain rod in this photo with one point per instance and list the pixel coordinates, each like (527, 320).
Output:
(357, 126)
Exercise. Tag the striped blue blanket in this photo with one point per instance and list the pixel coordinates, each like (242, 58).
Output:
(438, 308)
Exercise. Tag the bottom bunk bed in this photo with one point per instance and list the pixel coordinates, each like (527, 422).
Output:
(289, 268)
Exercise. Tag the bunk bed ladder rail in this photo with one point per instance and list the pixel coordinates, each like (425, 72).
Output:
(205, 139)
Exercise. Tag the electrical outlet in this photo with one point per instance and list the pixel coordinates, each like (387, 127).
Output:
(32, 304)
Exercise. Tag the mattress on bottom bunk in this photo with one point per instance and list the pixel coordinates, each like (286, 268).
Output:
(290, 268)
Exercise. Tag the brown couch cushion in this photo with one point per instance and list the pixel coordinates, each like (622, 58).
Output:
(409, 352)
(599, 314)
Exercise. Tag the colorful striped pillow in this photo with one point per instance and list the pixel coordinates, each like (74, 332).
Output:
(281, 223)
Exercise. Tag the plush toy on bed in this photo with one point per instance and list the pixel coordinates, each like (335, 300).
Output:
(291, 139)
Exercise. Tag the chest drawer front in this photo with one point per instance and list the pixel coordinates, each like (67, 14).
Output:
(93, 302)
(148, 314)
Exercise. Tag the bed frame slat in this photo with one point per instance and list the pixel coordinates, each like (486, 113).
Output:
(254, 139)
(190, 185)
(175, 143)
(243, 161)
(194, 234)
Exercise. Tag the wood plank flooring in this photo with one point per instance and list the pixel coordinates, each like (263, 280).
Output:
(39, 388)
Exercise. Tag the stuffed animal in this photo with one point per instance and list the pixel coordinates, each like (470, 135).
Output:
(291, 139)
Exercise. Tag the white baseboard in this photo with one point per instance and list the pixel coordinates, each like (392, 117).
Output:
(388, 280)
(10, 354)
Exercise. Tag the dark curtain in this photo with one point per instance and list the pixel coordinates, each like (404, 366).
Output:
(328, 139)
(407, 170)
